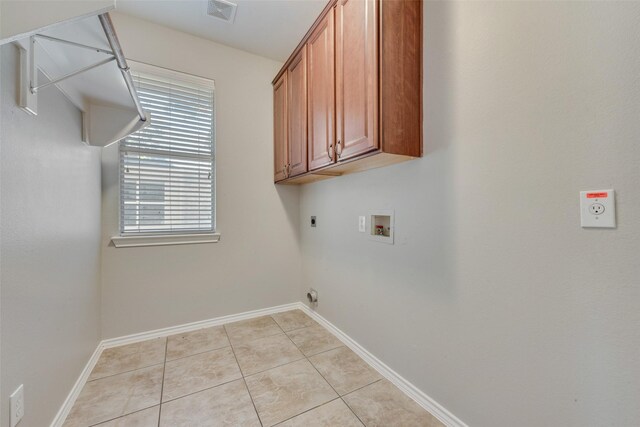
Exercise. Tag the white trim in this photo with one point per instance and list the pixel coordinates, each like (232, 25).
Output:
(164, 240)
(62, 414)
(405, 386)
(428, 403)
(157, 71)
(194, 326)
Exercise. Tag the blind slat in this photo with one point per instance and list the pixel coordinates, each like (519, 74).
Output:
(167, 169)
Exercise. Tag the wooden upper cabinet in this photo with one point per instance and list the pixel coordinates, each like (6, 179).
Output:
(356, 77)
(321, 103)
(401, 77)
(297, 105)
(280, 128)
(354, 91)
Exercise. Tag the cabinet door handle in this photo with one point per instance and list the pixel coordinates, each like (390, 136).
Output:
(284, 171)
(339, 149)
(330, 152)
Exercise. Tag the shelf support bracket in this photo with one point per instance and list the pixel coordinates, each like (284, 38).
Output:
(35, 89)
(28, 77)
(29, 70)
(29, 87)
(70, 43)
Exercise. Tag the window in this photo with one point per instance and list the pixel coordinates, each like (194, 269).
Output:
(167, 169)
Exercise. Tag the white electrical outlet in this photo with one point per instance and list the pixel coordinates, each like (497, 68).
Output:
(598, 209)
(17, 405)
(362, 224)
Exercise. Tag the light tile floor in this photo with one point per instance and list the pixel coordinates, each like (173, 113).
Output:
(283, 370)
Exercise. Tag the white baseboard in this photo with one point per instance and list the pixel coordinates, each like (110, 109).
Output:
(409, 389)
(188, 327)
(436, 409)
(62, 414)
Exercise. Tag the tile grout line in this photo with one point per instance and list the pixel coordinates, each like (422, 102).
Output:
(274, 367)
(207, 388)
(196, 326)
(269, 336)
(158, 364)
(230, 381)
(307, 410)
(164, 369)
(325, 380)
(243, 377)
(361, 387)
(197, 353)
(322, 376)
(316, 324)
(305, 327)
(325, 351)
(252, 402)
(200, 391)
(122, 416)
(304, 357)
(278, 324)
(242, 373)
(334, 390)
(349, 406)
(409, 390)
(255, 339)
(125, 372)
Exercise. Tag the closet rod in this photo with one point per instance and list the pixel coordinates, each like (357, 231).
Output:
(110, 32)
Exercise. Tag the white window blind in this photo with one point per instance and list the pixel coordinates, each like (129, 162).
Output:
(167, 169)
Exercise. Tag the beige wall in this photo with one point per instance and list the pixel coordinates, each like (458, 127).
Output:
(49, 248)
(257, 263)
(493, 300)
(1, 73)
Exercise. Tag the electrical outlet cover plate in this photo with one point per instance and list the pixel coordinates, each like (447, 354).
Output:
(598, 209)
(362, 224)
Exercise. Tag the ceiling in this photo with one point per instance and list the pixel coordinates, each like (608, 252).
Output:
(270, 28)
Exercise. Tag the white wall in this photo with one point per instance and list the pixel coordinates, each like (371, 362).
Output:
(493, 300)
(1, 406)
(49, 248)
(257, 263)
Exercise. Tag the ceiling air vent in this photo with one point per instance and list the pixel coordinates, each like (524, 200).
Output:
(222, 9)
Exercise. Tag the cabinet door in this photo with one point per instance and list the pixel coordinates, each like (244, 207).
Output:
(297, 106)
(356, 77)
(322, 94)
(280, 128)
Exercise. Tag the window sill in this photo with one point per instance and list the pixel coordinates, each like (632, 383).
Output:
(164, 240)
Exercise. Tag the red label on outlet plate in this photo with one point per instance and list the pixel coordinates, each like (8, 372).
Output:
(597, 195)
